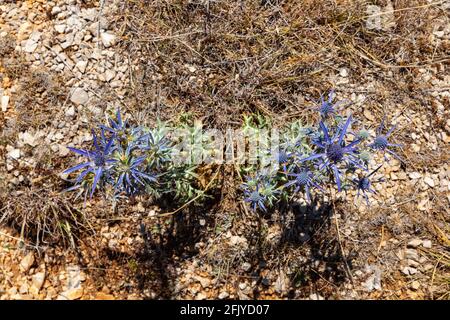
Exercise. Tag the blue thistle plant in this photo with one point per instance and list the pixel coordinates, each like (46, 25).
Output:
(98, 164)
(133, 160)
(130, 173)
(304, 180)
(382, 143)
(333, 151)
(256, 199)
(364, 185)
(327, 108)
(312, 158)
(260, 191)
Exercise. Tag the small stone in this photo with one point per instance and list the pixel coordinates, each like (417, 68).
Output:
(439, 33)
(30, 46)
(60, 28)
(23, 288)
(5, 101)
(27, 262)
(242, 285)
(12, 291)
(409, 271)
(316, 296)
(236, 240)
(81, 65)
(104, 296)
(415, 175)
(374, 280)
(429, 181)
(414, 243)
(79, 96)
(412, 263)
(427, 244)
(415, 285)
(223, 295)
(70, 112)
(246, 266)
(63, 151)
(412, 254)
(109, 75)
(89, 14)
(200, 296)
(343, 72)
(14, 154)
(55, 10)
(116, 84)
(32, 43)
(205, 282)
(368, 115)
(108, 39)
(71, 294)
(428, 266)
(415, 147)
(282, 283)
(29, 139)
(37, 282)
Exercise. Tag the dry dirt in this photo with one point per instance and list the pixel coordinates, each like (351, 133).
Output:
(65, 64)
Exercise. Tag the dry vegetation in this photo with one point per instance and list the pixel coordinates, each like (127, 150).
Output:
(216, 60)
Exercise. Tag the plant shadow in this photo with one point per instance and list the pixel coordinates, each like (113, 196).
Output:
(320, 265)
(166, 243)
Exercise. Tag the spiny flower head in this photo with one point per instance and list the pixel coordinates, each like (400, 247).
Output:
(260, 191)
(381, 141)
(256, 200)
(364, 184)
(332, 150)
(304, 179)
(99, 162)
(123, 132)
(327, 107)
(130, 171)
(156, 147)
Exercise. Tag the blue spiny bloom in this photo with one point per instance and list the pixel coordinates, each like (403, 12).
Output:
(327, 107)
(333, 151)
(130, 171)
(255, 198)
(364, 185)
(260, 191)
(305, 179)
(98, 164)
(123, 132)
(382, 143)
(283, 158)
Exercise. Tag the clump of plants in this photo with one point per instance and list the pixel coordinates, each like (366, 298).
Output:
(314, 159)
(126, 160)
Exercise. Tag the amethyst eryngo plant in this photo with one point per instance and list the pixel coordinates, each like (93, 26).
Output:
(313, 159)
(129, 160)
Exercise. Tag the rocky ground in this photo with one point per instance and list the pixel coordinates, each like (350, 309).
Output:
(64, 65)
